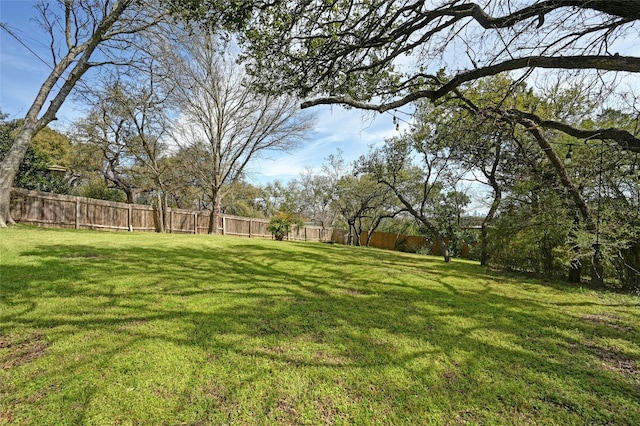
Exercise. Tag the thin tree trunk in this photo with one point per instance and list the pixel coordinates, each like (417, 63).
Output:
(575, 267)
(484, 244)
(352, 232)
(444, 248)
(597, 269)
(374, 225)
(359, 231)
(484, 231)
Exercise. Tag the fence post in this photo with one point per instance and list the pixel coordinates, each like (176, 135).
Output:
(23, 207)
(195, 223)
(223, 225)
(77, 213)
(250, 228)
(130, 218)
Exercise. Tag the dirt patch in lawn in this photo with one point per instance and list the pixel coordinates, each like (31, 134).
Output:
(15, 351)
(613, 360)
(608, 320)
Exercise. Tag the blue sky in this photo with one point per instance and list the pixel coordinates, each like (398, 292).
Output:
(22, 71)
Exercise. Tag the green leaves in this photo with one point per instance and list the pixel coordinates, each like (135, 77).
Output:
(33, 172)
(231, 15)
(281, 224)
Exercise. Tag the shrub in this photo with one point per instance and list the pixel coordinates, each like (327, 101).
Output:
(99, 191)
(281, 224)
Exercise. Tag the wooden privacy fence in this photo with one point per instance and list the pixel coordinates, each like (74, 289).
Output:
(66, 211)
(407, 243)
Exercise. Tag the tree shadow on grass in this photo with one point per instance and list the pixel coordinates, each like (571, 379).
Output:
(250, 308)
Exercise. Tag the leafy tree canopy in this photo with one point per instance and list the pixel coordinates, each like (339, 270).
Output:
(381, 54)
(48, 149)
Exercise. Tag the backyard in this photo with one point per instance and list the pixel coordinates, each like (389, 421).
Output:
(137, 328)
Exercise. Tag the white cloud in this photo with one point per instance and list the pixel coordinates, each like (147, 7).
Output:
(351, 131)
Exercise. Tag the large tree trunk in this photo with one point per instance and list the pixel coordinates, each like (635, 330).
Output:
(558, 165)
(129, 192)
(161, 214)
(9, 169)
(213, 222)
(215, 211)
(575, 267)
(5, 206)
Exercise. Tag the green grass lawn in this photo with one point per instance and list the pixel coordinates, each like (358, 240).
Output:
(119, 328)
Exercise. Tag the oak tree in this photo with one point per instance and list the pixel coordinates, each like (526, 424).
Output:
(381, 55)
